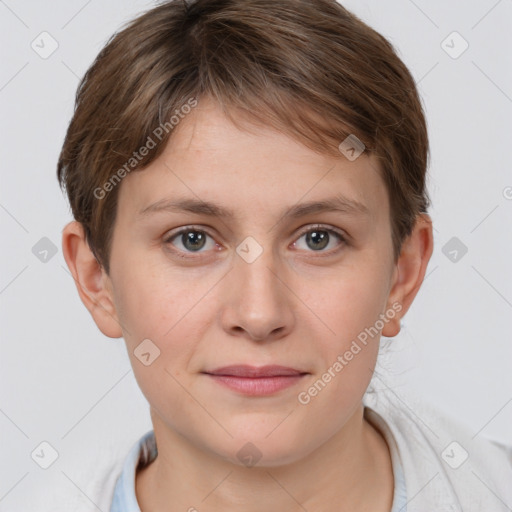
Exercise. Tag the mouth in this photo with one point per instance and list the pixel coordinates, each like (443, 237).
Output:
(252, 380)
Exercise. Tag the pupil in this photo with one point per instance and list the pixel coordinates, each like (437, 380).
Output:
(193, 240)
(318, 236)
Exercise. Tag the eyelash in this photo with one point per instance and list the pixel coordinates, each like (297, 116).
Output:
(343, 241)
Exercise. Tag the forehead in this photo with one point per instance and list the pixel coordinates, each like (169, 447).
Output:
(235, 169)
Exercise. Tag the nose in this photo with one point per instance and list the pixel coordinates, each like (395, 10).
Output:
(257, 302)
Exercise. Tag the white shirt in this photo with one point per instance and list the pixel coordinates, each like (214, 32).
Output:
(437, 463)
(446, 468)
(144, 451)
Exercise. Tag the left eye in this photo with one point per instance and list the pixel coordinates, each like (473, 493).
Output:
(318, 238)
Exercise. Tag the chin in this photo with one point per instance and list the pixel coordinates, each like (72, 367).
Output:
(263, 450)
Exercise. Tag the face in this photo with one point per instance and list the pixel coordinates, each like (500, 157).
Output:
(257, 281)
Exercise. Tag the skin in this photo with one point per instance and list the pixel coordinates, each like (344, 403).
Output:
(298, 304)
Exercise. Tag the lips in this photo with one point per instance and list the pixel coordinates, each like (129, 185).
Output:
(256, 381)
(255, 372)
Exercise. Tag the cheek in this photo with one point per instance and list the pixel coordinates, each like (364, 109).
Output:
(150, 302)
(347, 349)
(171, 310)
(347, 303)
(348, 334)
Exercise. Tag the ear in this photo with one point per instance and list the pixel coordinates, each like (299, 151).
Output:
(93, 284)
(409, 271)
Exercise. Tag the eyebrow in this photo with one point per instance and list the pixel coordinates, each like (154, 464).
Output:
(338, 203)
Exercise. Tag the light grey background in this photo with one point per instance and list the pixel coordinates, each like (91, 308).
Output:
(63, 382)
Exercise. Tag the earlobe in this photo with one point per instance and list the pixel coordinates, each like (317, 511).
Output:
(409, 272)
(90, 279)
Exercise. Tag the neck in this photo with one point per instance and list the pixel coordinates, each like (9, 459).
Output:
(352, 469)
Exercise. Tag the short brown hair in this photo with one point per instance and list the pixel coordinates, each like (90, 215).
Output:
(308, 68)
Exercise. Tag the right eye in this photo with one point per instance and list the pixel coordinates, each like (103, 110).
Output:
(189, 240)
